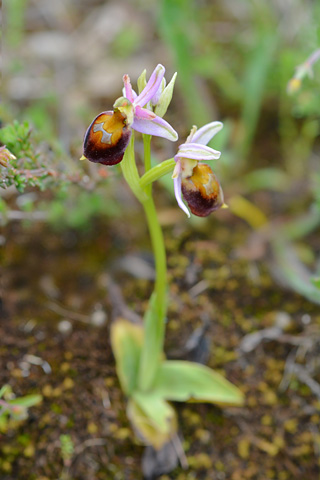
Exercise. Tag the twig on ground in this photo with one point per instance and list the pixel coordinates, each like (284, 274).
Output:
(176, 442)
(67, 313)
(119, 307)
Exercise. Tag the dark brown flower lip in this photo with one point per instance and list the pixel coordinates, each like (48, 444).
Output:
(103, 146)
(199, 205)
(202, 198)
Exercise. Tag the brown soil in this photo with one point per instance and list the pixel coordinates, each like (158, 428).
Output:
(51, 277)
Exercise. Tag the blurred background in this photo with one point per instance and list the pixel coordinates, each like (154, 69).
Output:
(71, 231)
(64, 62)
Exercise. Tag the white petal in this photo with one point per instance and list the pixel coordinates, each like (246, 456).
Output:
(177, 169)
(191, 134)
(197, 151)
(156, 126)
(206, 133)
(152, 86)
(129, 93)
(177, 192)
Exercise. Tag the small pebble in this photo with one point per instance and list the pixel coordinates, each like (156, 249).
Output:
(306, 319)
(65, 327)
(98, 318)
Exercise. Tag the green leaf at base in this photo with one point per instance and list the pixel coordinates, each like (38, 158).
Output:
(126, 341)
(153, 419)
(152, 354)
(26, 401)
(181, 381)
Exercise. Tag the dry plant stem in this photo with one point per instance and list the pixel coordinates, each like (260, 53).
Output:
(68, 313)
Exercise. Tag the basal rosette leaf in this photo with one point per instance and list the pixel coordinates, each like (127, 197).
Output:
(153, 419)
(27, 401)
(182, 381)
(151, 356)
(126, 342)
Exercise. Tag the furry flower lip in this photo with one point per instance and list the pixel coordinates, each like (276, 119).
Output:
(202, 191)
(108, 135)
(196, 181)
(106, 138)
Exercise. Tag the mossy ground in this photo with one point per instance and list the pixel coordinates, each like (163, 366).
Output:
(274, 436)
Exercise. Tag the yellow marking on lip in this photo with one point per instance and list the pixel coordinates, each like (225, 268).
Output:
(204, 181)
(111, 127)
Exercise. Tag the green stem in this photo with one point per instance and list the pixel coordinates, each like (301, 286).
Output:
(130, 172)
(158, 250)
(154, 321)
(157, 172)
(147, 158)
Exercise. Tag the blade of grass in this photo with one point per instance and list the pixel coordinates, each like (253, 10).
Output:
(176, 20)
(255, 79)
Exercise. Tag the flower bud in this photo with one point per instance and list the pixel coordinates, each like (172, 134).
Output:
(5, 156)
(107, 138)
(165, 97)
(202, 191)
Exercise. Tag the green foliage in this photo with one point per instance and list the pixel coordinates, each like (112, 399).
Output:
(149, 361)
(30, 168)
(177, 26)
(3, 206)
(144, 375)
(182, 381)
(27, 401)
(15, 21)
(316, 190)
(16, 136)
(38, 164)
(289, 267)
(152, 417)
(39, 114)
(294, 273)
(76, 209)
(246, 73)
(154, 420)
(126, 340)
(14, 409)
(316, 282)
(127, 41)
(266, 179)
(66, 447)
(257, 70)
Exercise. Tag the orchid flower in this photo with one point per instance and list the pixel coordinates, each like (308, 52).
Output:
(196, 181)
(108, 135)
